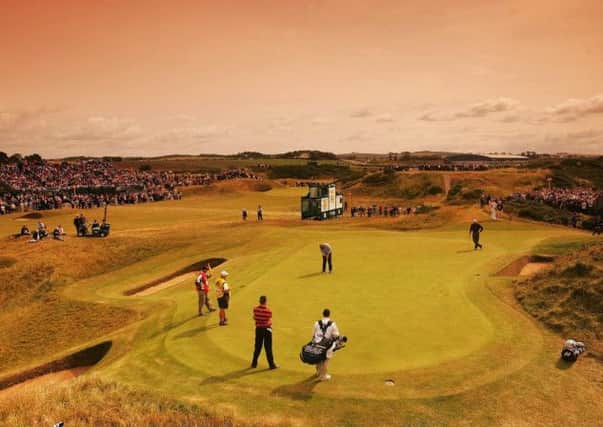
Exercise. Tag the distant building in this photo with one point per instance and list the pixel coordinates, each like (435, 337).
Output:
(322, 202)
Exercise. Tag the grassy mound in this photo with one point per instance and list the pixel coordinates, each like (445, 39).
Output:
(467, 187)
(314, 171)
(569, 298)
(95, 402)
(389, 184)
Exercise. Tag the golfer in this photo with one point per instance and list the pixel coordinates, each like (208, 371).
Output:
(202, 285)
(325, 332)
(327, 256)
(263, 333)
(223, 295)
(475, 229)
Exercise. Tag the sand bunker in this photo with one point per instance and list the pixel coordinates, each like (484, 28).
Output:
(30, 216)
(43, 381)
(56, 371)
(173, 278)
(527, 265)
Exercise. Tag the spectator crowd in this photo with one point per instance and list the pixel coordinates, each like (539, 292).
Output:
(382, 211)
(579, 200)
(41, 185)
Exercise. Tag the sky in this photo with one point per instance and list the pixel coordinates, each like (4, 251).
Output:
(145, 78)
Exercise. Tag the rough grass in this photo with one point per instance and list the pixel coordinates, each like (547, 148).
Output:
(399, 185)
(95, 402)
(569, 298)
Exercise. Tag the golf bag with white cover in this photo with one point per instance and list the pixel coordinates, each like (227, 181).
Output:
(313, 353)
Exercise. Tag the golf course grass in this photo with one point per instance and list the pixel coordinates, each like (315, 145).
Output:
(420, 308)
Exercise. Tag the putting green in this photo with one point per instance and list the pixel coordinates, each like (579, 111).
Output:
(386, 293)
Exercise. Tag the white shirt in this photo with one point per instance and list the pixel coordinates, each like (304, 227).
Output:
(330, 333)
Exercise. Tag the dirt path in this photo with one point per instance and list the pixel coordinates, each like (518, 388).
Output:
(43, 380)
(164, 285)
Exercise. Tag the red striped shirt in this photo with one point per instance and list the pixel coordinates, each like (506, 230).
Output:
(263, 316)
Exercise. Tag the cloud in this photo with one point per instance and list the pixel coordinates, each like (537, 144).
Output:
(384, 118)
(319, 121)
(197, 134)
(18, 121)
(582, 138)
(479, 109)
(100, 128)
(574, 109)
(361, 113)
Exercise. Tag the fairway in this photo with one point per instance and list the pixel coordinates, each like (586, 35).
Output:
(420, 308)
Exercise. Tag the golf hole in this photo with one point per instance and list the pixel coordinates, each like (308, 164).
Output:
(390, 383)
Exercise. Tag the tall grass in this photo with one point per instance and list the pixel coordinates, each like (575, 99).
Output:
(94, 402)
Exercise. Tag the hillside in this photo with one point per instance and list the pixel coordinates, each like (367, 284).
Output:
(568, 298)
(459, 187)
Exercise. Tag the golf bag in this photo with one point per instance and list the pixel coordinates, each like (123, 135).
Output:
(314, 353)
(571, 350)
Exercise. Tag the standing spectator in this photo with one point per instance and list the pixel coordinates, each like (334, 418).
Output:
(493, 208)
(223, 295)
(263, 333)
(325, 333)
(327, 256)
(202, 285)
(77, 224)
(260, 213)
(475, 229)
(597, 225)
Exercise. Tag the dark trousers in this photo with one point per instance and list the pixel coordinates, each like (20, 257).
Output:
(263, 336)
(325, 260)
(476, 241)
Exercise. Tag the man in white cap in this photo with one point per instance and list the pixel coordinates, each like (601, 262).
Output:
(475, 229)
(223, 294)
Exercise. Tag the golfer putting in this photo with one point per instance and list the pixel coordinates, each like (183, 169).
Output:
(327, 256)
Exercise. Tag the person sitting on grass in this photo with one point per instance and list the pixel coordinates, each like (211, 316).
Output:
(223, 295)
(58, 233)
(25, 231)
(42, 231)
(35, 237)
(95, 228)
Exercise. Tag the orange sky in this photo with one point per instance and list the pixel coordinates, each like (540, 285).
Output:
(155, 77)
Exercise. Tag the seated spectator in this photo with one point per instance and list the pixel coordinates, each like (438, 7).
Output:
(58, 233)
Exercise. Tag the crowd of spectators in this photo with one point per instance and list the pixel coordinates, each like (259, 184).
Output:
(441, 167)
(579, 200)
(41, 185)
(382, 211)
